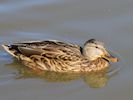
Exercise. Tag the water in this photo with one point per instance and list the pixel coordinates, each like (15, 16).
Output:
(73, 21)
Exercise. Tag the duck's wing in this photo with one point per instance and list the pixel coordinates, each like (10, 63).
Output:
(50, 49)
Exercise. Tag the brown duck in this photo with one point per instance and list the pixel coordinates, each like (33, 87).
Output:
(58, 56)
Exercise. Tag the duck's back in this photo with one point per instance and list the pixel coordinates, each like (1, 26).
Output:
(37, 47)
(46, 53)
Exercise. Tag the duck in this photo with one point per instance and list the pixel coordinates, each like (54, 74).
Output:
(59, 56)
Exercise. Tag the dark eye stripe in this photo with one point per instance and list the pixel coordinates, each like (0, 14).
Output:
(97, 47)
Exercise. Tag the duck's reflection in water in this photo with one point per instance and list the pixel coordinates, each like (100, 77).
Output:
(93, 79)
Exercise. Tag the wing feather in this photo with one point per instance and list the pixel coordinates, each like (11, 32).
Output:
(50, 49)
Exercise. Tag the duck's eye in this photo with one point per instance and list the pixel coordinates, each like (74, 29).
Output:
(96, 47)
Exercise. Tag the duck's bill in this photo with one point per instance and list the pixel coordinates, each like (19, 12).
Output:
(111, 58)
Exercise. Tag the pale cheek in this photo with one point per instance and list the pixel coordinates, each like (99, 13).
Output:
(91, 54)
(98, 52)
(94, 53)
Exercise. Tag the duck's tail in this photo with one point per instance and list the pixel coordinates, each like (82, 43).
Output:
(10, 50)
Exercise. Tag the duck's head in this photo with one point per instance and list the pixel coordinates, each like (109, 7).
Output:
(94, 49)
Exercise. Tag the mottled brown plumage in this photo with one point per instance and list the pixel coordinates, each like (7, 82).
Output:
(61, 57)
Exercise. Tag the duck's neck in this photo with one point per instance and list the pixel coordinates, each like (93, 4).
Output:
(96, 65)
